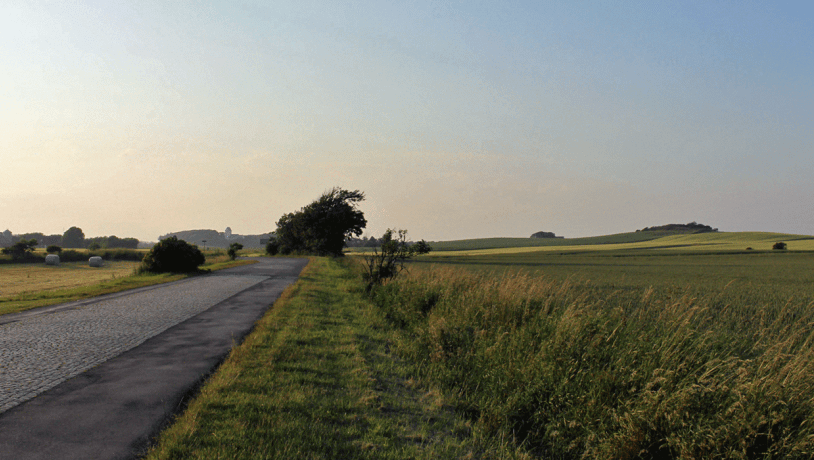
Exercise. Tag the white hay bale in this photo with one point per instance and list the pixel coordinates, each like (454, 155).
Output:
(52, 259)
(95, 261)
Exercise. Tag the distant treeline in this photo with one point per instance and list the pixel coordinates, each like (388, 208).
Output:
(692, 227)
(73, 238)
(370, 242)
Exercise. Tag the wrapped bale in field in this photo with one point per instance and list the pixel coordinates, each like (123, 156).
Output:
(52, 259)
(95, 261)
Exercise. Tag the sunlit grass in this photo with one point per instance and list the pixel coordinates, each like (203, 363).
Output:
(33, 285)
(316, 380)
(22, 278)
(574, 371)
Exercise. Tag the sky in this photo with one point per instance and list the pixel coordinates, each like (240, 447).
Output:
(457, 119)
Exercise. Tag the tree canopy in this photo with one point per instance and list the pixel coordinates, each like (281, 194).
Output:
(322, 227)
(74, 237)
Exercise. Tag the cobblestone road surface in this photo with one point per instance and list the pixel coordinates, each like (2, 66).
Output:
(38, 352)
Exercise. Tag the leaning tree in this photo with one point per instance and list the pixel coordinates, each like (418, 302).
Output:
(322, 227)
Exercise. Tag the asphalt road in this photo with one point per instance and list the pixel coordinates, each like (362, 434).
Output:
(113, 410)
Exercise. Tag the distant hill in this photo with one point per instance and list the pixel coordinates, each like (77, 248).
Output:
(494, 243)
(216, 239)
(692, 227)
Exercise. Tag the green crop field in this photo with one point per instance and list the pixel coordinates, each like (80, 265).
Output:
(717, 241)
(685, 346)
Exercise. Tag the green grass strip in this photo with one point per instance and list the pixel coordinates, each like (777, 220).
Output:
(316, 380)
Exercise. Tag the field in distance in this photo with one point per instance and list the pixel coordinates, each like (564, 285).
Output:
(713, 241)
(31, 285)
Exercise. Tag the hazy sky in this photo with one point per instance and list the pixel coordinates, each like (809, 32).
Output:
(457, 119)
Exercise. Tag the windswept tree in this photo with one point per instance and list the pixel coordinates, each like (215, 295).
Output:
(322, 227)
(233, 248)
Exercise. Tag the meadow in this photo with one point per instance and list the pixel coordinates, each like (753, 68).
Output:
(681, 347)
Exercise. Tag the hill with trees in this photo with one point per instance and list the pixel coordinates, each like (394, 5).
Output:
(216, 239)
(692, 227)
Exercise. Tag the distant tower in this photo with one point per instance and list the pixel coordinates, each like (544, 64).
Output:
(228, 232)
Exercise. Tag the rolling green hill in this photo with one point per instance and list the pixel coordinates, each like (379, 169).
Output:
(498, 243)
(718, 241)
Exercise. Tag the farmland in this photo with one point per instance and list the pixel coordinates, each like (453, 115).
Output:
(30, 278)
(687, 346)
(683, 346)
(24, 286)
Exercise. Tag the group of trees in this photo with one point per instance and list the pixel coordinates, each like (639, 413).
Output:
(322, 227)
(692, 227)
(327, 225)
(20, 250)
(74, 237)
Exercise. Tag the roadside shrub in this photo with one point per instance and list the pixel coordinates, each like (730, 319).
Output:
(53, 249)
(779, 245)
(172, 255)
(387, 262)
(233, 248)
(272, 247)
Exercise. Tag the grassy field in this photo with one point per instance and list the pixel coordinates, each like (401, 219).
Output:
(688, 346)
(500, 243)
(32, 285)
(22, 278)
(317, 380)
(718, 241)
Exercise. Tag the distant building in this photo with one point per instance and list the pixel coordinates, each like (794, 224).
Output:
(228, 232)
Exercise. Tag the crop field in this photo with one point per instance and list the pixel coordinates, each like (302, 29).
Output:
(688, 346)
(24, 286)
(22, 278)
(718, 241)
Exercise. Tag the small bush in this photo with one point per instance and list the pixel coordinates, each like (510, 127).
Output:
(173, 255)
(779, 245)
(272, 247)
(233, 248)
(21, 250)
(94, 246)
(53, 249)
(386, 264)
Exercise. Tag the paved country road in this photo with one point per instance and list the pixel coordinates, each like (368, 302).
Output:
(96, 379)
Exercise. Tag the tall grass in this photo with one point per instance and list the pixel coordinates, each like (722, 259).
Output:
(576, 372)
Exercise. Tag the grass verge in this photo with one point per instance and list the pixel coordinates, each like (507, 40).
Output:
(316, 380)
